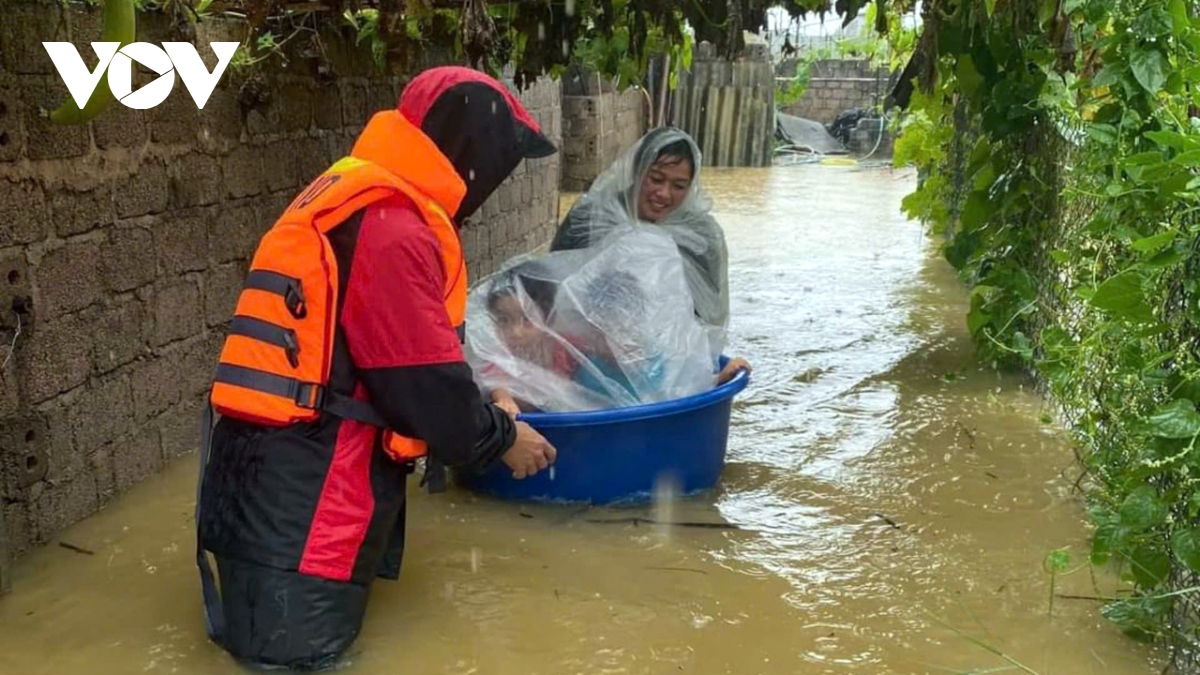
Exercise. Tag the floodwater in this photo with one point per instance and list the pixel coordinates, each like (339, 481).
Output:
(894, 501)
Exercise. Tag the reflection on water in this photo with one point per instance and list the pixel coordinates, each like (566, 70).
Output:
(888, 495)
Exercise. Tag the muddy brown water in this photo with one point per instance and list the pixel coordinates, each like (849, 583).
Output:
(895, 500)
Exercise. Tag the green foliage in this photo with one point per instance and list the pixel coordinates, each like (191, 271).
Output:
(1066, 184)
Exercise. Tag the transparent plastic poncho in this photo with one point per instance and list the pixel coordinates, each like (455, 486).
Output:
(611, 204)
(604, 327)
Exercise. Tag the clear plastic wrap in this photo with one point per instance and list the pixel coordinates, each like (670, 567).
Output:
(604, 327)
(610, 205)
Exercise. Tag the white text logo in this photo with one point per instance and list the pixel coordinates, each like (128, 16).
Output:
(172, 57)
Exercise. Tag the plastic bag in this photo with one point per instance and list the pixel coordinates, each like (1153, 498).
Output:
(604, 327)
(610, 205)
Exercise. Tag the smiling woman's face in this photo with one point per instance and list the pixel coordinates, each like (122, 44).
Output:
(663, 187)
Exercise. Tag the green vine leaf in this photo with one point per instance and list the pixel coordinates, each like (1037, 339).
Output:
(1153, 22)
(1142, 509)
(1122, 297)
(1185, 544)
(1150, 68)
(1177, 419)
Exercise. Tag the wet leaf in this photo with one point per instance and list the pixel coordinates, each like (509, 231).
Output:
(1058, 561)
(969, 78)
(1153, 242)
(1153, 22)
(1177, 419)
(1150, 566)
(1179, 17)
(1105, 134)
(1170, 139)
(1144, 158)
(978, 317)
(1185, 544)
(1150, 68)
(1166, 258)
(1122, 297)
(1142, 509)
(1106, 540)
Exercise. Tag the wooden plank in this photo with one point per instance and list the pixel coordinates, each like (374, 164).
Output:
(712, 114)
(741, 127)
(726, 128)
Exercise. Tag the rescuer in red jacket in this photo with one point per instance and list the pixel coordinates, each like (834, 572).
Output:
(343, 365)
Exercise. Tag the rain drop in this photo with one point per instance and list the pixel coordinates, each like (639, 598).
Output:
(471, 174)
(541, 31)
(570, 8)
(493, 107)
(566, 48)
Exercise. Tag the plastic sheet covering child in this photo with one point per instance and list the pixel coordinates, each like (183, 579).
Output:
(606, 327)
(658, 182)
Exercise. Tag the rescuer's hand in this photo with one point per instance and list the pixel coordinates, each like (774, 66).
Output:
(530, 453)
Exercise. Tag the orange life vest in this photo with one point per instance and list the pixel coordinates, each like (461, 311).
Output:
(274, 366)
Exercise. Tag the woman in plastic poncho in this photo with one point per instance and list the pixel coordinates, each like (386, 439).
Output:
(658, 182)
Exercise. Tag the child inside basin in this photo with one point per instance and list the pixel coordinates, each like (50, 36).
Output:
(606, 327)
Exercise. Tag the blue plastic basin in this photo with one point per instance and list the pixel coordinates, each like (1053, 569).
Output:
(619, 455)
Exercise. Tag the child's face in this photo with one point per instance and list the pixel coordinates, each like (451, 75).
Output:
(520, 334)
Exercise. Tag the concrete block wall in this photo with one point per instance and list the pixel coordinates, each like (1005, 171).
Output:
(840, 85)
(123, 244)
(599, 124)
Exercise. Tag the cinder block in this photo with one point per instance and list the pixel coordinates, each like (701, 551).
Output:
(235, 231)
(222, 115)
(327, 107)
(74, 212)
(144, 192)
(177, 311)
(101, 413)
(155, 386)
(181, 241)
(121, 127)
(12, 135)
(295, 107)
(54, 357)
(356, 104)
(24, 29)
(222, 285)
(104, 472)
(68, 279)
(137, 457)
(127, 259)
(243, 172)
(25, 207)
(195, 180)
(43, 138)
(64, 504)
(24, 451)
(280, 165)
(175, 121)
(179, 428)
(117, 337)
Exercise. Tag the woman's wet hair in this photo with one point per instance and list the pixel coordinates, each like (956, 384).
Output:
(672, 153)
(676, 153)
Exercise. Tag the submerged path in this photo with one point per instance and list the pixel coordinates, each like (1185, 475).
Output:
(888, 498)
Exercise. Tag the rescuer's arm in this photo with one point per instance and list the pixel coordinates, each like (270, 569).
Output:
(406, 352)
(409, 357)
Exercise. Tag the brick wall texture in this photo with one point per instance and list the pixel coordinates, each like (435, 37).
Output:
(597, 128)
(840, 85)
(123, 244)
